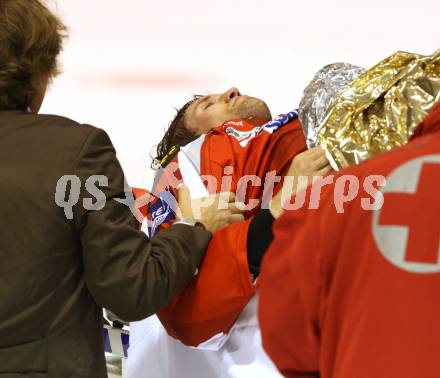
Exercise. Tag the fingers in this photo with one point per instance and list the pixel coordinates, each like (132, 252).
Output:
(234, 218)
(237, 207)
(321, 162)
(185, 208)
(221, 219)
(230, 219)
(227, 197)
(308, 163)
(324, 171)
(315, 152)
(224, 200)
(184, 194)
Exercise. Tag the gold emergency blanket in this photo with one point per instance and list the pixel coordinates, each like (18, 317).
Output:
(381, 108)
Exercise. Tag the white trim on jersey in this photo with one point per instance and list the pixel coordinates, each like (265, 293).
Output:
(191, 177)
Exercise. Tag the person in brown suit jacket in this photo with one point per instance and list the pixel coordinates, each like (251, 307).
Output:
(56, 273)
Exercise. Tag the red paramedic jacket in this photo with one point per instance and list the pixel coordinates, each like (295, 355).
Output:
(357, 294)
(212, 302)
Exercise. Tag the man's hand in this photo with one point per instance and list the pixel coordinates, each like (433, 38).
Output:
(304, 166)
(310, 163)
(214, 212)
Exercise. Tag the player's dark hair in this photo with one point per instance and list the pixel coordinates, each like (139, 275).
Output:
(177, 135)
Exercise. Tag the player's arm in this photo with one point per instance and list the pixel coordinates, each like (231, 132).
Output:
(220, 291)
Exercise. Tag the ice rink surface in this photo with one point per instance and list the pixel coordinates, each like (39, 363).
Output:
(127, 64)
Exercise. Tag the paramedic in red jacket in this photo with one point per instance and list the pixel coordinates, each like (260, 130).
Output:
(228, 136)
(356, 294)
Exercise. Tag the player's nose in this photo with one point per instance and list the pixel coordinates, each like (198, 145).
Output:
(230, 94)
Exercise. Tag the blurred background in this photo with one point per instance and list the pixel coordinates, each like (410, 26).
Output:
(126, 65)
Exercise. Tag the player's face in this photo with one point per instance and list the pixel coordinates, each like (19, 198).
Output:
(211, 111)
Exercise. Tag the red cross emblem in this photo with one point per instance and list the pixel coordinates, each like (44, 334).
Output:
(420, 212)
(407, 228)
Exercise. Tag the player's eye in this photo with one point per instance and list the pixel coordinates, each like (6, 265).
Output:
(208, 105)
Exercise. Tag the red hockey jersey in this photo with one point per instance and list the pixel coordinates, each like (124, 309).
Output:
(356, 294)
(230, 155)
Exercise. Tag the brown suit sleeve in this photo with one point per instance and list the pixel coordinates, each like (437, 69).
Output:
(125, 271)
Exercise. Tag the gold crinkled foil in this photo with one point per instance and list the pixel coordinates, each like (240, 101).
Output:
(381, 108)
